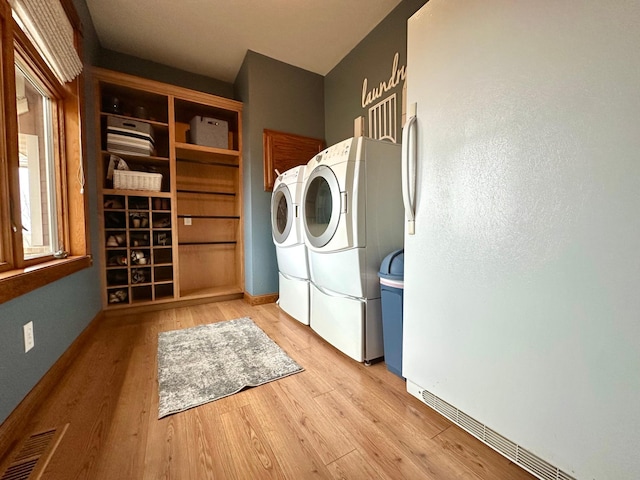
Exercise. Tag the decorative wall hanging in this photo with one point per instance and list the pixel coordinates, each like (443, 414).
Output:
(384, 113)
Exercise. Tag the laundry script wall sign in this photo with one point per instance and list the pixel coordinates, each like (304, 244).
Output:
(383, 115)
(397, 75)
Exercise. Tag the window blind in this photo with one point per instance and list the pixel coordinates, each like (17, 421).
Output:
(47, 25)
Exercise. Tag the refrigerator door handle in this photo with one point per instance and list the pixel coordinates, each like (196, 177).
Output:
(409, 169)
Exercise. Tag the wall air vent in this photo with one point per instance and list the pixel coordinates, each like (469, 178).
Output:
(511, 450)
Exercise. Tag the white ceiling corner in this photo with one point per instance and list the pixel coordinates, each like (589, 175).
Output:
(211, 37)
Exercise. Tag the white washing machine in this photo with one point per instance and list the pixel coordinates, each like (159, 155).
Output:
(291, 251)
(353, 217)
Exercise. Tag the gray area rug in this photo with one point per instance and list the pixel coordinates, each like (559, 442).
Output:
(204, 363)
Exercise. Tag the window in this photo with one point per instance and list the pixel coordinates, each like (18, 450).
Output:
(37, 167)
(42, 206)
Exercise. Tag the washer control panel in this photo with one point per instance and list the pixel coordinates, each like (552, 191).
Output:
(335, 153)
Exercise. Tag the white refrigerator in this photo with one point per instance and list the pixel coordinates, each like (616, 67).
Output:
(522, 267)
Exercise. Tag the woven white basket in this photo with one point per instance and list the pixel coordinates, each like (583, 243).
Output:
(132, 180)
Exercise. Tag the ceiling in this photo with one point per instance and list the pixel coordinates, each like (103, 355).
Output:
(211, 37)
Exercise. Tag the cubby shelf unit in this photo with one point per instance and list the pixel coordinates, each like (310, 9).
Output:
(194, 252)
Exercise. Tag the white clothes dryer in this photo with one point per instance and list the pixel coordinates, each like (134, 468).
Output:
(352, 217)
(291, 251)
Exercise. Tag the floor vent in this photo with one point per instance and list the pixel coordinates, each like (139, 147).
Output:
(511, 450)
(30, 462)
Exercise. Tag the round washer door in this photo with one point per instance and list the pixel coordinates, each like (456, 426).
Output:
(281, 213)
(321, 206)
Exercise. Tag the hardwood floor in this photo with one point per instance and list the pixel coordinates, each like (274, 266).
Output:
(336, 420)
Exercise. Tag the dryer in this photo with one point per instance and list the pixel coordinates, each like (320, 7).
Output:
(291, 251)
(352, 217)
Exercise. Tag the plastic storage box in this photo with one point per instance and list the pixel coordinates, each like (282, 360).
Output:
(209, 132)
(129, 136)
(392, 292)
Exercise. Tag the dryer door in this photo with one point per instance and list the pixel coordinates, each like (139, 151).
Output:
(281, 214)
(321, 206)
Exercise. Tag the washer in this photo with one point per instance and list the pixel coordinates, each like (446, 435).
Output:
(352, 218)
(291, 251)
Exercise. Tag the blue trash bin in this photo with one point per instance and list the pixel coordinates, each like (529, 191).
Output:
(391, 292)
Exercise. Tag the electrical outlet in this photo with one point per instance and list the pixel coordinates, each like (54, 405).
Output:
(187, 220)
(29, 341)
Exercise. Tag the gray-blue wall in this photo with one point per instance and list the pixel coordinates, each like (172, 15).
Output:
(139, 67)
(59, 311)
(280, 97)
(372, 59)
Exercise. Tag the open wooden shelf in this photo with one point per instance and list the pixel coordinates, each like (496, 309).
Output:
(234, 217)
(133, 193)
(206, 155)
(209, 292)
(202, 192)
(146, 159)
(230, 242)
(201, 260)
(155, 123)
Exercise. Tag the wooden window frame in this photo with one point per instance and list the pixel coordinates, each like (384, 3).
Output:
(19, 276)
(36, 67)
(8, 89)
